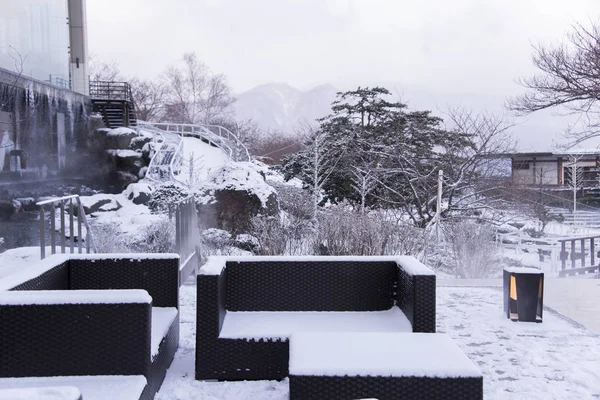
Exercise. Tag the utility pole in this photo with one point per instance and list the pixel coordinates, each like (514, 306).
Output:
(438, 210)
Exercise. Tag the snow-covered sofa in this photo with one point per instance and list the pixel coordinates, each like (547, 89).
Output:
(105, 322)
(247, 307)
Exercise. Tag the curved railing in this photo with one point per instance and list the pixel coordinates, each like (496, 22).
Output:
(214, 134)
(168, 156)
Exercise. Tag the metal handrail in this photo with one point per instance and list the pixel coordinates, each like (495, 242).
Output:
(177, 155)
(220, 137)
(81, 219)
(152, 162)
(108, 90)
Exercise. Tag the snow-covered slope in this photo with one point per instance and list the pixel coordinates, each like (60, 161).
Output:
(200, 157)
(281, 107)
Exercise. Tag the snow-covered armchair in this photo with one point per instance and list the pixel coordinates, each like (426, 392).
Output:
(91, 315)
(247, 307)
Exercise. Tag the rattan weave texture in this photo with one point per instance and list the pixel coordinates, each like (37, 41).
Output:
(384, 388)
(416, 298)
(159, 277)
(56, 278)
(310, 286)
(74, 339)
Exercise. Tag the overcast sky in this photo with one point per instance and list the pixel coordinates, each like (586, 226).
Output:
(444, 48)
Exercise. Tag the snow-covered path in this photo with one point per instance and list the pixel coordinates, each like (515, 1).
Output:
(577, 298)
(553, 360)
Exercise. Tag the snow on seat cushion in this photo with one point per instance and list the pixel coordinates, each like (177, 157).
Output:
(432, 355)
(91, 387)
(162, 319)
(276, 324)
(45, 393)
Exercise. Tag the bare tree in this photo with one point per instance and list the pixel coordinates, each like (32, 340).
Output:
(194, 93)
(195, 165)
(569, 76)
(104, 71)
(574, 176)
(364, 181)
(321, 164)
(149, 97)
(17, 81)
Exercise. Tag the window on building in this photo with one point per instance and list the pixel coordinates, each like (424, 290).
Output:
(520, 165)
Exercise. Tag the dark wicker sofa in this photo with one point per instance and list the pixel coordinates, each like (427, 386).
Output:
(278, 289)
(95, 315)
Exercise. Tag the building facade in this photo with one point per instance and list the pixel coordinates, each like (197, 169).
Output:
(44, 102)
(556, 169)
(45, 40)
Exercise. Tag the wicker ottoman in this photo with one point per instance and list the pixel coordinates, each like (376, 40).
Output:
(392, 366)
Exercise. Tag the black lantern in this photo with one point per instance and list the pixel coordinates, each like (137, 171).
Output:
(523, 294)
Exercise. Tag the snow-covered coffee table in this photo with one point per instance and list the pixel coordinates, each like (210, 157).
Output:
(381, 365)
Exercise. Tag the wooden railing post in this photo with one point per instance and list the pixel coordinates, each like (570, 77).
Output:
(572, 254)
(592, 251)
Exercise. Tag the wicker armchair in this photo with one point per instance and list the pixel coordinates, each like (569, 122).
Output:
(91, 315)
(242, 288)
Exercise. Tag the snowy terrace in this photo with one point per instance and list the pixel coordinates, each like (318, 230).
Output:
(557, 359)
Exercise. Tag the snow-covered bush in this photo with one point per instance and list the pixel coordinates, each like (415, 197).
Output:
(295, 201)
(217, 242)
(109, 238)
(344, 231)
(167, 195)
(271, 235)
(471, 250)
(158, 237)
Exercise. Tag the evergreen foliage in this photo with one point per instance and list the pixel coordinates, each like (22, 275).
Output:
(376, 153)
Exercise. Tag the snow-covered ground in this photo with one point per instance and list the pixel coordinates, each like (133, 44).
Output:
(556, 359)
(202, 158)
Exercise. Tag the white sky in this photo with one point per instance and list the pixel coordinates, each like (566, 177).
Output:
(440, 47)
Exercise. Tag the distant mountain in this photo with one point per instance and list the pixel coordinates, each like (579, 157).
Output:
(282, 107)
(279, 106)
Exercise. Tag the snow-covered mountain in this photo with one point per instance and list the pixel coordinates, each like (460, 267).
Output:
(279, 106)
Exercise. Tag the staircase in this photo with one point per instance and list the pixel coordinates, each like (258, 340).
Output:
(113, 100)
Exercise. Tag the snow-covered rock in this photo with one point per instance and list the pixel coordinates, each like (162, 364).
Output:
(138, 193)
(138, 142)
(27, 203)
(100, 203)
(243, 177)
(149, 150)
(8, 208)
(120, 138)
(233, 195)
(247, 242)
